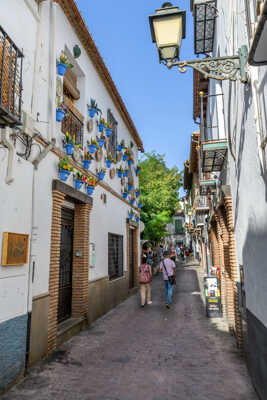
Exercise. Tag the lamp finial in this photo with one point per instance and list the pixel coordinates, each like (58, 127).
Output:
(167, 4)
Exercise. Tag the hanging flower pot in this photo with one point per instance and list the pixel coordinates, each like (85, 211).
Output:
(108, 132)
(139, 205)
(137, 170)
(130, 186)
(63, 175)
(69, 147)
(92, 148)
(78, 184)
(92, 112)
(108, 163)
(86, 164)
(131, 215)
(125, 173)
(137, 193)
(137, 219)
(120, 173)
(100, 142)
(93, 109)
(130, 162)
(60, 114)
(124, 157)
(132, 202)
(90, 190)
(101, 175)
(119, 147)
(101, 127)
(61, 68)
(125, 195)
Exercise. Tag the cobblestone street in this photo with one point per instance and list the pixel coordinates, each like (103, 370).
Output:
(151, 353)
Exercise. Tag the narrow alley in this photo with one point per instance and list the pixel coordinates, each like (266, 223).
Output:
(151, 353)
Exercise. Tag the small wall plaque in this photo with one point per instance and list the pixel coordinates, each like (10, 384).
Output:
(15, 249)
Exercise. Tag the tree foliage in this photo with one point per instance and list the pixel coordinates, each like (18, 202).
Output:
(160, 194)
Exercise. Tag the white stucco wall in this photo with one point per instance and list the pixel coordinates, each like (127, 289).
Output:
(245, 174)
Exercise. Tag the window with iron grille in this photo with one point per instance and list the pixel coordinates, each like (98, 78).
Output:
(73, 126)
(112, 142)
(115, 256)
(179, 230)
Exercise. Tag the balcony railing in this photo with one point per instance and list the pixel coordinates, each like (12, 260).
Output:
(10, 81)
(201, 205)
(214, 153)
(200, 221)
(208, 186)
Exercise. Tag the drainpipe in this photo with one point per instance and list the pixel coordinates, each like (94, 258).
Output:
(52, 71)
(5, 132)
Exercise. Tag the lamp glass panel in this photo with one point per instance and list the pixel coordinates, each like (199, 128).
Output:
(168, 31)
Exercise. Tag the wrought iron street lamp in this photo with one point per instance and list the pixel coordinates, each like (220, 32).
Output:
(168, 30)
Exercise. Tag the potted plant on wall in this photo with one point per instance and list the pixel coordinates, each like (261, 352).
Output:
(101, 125)
(125, 193)
(63, 64)
(101, 173)
(131, 214)
(139, 205)
(69, 143)
(132, 201)
(121, 146)
(61, 111)
(126, 154)
(137, 219)
(65, 169)
(137, 170)
(91, 184)
(130, 161)
(92, 146)
(78, 180)
(120, 172)
(109, 160)
(130, 186)
(93, 109)
(87, 159)
(137, 192)
(125, 172)
(108, 129)
(101, 140)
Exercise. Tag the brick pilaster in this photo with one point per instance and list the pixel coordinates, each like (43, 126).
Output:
(58, 198)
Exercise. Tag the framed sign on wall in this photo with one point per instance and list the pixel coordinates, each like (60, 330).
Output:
(15, 249)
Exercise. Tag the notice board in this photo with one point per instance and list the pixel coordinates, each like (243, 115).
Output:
(15, 249)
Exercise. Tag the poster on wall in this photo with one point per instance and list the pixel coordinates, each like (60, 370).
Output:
(15, 249)
(213, 297)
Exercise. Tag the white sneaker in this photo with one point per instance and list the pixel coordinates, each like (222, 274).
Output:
(149, 302)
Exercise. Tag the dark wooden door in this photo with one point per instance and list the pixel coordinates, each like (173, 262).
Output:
(132, 259)
(65, 272)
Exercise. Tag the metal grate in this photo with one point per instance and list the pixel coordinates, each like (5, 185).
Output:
(205, 16)
(112, 140)
(214, 154)
(73, 126)
(10, 81)
(115, 256)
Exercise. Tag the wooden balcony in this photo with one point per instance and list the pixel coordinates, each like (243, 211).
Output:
(10, 81)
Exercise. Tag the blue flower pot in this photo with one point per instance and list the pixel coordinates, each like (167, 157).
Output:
(119, 174)
(101, 176)
(101, 142)
(101, 127)
(119, 148)
(108, 132)
(61, 68)
(137, 219)
(90, 190)
(125, 195)
(86, 164)
(130, 187)
(139, 205)
(132, 202)
(78, 184)
(63, 175)
(131, 216)
(137, 194)
(130, 162)
(60, 115)
(69, 147)
(92, 112)
(125, 173)
(92, 148)
(124, 157)
(137, 171)
(108, 163)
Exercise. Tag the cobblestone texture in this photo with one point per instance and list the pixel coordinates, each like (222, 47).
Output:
(151, 353)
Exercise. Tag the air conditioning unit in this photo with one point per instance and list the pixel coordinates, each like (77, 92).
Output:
(28, 124)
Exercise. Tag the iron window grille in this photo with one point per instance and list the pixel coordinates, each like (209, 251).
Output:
(205, 14)
(11, 60)
(73, 126)
(113, 141)
(179, 230)
(115, 256)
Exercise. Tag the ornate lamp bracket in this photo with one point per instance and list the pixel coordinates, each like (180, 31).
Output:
(221, 68)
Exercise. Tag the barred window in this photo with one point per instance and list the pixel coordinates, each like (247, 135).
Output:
(115, 256)
(112, 142)
(73, 126)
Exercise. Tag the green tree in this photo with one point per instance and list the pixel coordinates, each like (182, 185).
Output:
(160, 194)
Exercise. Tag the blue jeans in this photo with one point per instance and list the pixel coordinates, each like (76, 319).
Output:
(168, 291)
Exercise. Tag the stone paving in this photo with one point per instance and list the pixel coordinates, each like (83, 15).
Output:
(150, 353)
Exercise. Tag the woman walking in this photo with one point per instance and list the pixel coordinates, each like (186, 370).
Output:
(145, 278)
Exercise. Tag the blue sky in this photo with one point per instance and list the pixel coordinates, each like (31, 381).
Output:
(160, 101)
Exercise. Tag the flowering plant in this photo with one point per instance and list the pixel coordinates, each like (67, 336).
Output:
(64, 164)
(122, 143)
(120, 169)
(87, 156)
(101, 170)
(63, 58)
(78, 176)
(110, 158)
(91, 181)
(102, 121)
(93, 141)
(94, 106)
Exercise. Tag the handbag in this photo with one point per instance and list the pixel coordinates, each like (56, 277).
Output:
(171, 278)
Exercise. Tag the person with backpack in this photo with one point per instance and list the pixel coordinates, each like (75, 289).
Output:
(168, 269)
(145, 278)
